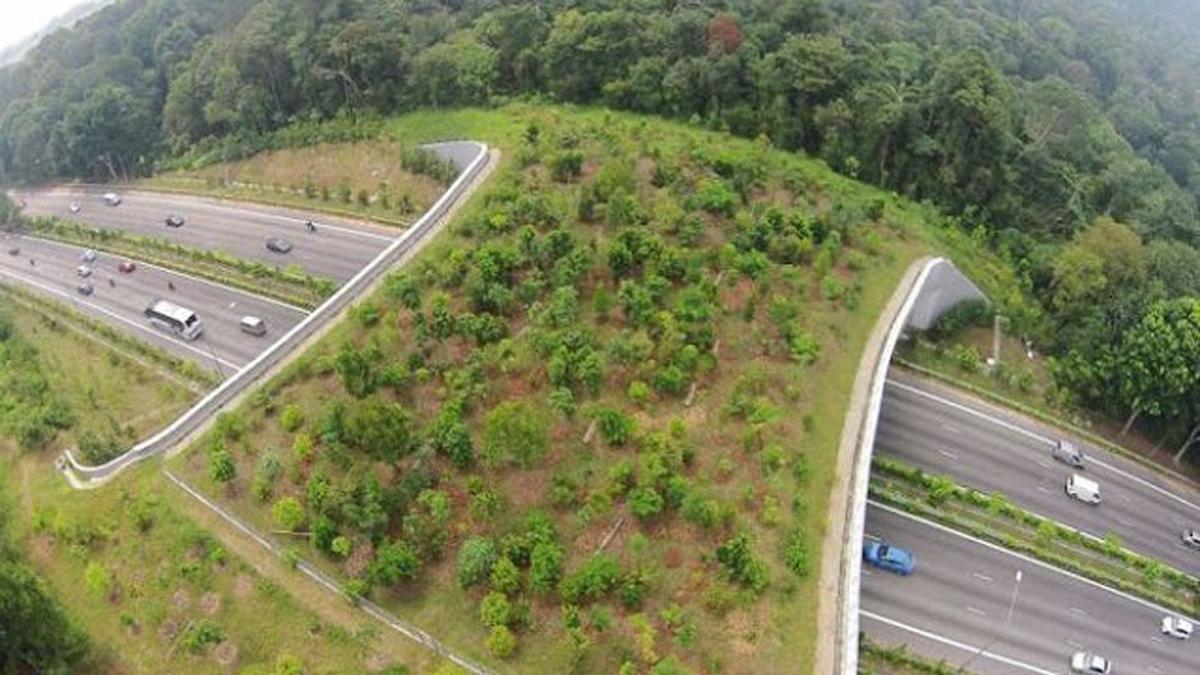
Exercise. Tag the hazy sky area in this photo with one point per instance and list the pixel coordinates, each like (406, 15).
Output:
(21, 18)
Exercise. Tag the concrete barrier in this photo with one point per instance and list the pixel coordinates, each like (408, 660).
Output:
(458, 152)
(938, 287)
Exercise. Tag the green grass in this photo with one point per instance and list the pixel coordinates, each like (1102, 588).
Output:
(312, 178)
(766, 634)
(173, 572)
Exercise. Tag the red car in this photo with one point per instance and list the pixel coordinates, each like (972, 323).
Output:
(127, 266)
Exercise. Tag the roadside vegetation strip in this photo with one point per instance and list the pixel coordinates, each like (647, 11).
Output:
(265, 195)
(292, 286)
(57, 311)
(993, 518)
(877, 659)
(1041, 416)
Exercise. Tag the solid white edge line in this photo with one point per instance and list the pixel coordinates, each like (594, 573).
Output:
(154, 197)
(1008, 661)
(1025, 558)
(167, 270)
(104, 310)
(1012, 427)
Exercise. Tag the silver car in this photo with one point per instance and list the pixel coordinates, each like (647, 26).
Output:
(1091, 664)
(1191, 538)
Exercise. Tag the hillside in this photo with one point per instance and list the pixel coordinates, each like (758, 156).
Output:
(601, 410)
(15, 52)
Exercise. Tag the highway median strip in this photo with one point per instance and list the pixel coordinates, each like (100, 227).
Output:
(898, 660)
(291, 286)
(992, 518)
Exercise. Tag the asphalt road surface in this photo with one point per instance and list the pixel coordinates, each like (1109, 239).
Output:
(945, 432)
(337, 250)
(959, 597)
(222, 347)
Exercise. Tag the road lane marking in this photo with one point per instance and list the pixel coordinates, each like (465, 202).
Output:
(1043, 488)
(50, 243)
(983, 653)
(1013, 427)
(1044, 464)
(1020, 556)
(948, 453)
(982, 577)
(264, 214)
(951, 428)
(975, 610)
(63, 294)
(1156, 639)
(1076, 610)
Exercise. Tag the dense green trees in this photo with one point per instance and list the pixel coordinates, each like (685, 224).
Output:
(1027, 121)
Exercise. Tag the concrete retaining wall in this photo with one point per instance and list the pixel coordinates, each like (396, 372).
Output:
(938, 287)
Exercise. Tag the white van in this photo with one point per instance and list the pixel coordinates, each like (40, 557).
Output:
(1086, 491)
(112, 199)
(253, 325)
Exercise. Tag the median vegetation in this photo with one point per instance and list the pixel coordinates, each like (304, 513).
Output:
(992, 517)
(877, 659)
(379, 179)
(289, 284)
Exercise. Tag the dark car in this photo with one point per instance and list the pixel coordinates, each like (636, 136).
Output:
(14, 250)
(174, 221)
(279, 245)
(888, 557)
(127, 266)
(85, 289)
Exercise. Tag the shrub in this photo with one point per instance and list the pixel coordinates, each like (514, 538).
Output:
(501, 642)
(302, 448)
(545, 566)
(615, 427)
(221, 467)
(516, 432)
(941, 488)
(288, 513)
(292, 418)
(645, 502)
(506, 578)
(394, 561)
(739, 564)
(96, 579)
(200, 634)
(597, 576)
(639, 392)
(476, 557)
(340, 546)
(495, 609)
(567, 166)
(701, 510)
(795, 552)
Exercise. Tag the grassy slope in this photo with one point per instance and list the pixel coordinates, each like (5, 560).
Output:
(771, 634)
(281, 177)
(168, 575)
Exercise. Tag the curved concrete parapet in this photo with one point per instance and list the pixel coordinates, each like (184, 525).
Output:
(938, 287)
(470, 155)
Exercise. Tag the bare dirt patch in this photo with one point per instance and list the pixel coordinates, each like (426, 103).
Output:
(210, 603)
(225, 653)
(243, 586)
(180, 600)
(168, 630)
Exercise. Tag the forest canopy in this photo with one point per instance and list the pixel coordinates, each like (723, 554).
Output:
(1026, 119)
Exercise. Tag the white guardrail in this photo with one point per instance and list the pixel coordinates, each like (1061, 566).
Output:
(851, 576)
(212, 403)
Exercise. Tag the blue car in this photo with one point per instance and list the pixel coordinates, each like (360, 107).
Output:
(891, 558)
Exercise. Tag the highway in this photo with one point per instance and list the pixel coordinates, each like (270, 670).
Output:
(222, 347)
(960, 595)
(944, 432)
(337, 250)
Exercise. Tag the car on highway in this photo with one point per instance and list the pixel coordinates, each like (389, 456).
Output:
(1066, 452)
(127, 266)
(1177, 627)
(253, 325)
(88, 256)
(1093, 664)
(888, 557)
(1083, 489)
(74, 207)
(174, 221)
(1191, 538)
(279, 245)
(85, 288)
(83, 271)
(112, 199)
(14, 250)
